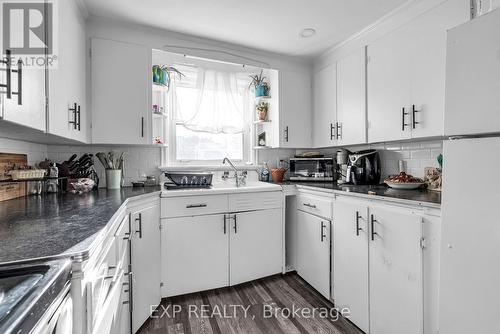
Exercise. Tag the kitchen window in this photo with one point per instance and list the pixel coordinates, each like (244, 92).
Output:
(210, 114)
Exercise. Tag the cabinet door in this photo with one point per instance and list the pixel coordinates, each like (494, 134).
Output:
(389, 88)
(67, 81)
(121, 92)
(351, 101)
(396, 291)
(195, 254)
(145, 250)
(295, 109)
(324, 107)
(256, 245)
(428, 65)
(472, 84)
(31, 111)
(350, 260)
(313, 251)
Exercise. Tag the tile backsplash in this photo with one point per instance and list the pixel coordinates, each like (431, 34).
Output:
(416, 155)
(35, 152)
(139, 161)
(142, 161)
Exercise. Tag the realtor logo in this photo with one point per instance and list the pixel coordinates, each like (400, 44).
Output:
(27, 27)
(28, 31)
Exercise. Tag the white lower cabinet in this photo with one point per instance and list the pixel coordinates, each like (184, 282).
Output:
(378, 266)
(255, 245)
(196, 253)
(203, 251)
(146, 273)
(313, 251)
(350, 261)
(396, 291)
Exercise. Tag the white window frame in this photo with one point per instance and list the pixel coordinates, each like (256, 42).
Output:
(169, 154)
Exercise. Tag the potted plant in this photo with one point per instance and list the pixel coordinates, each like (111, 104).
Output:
(260, 84)
(261, 109)
(162, 74)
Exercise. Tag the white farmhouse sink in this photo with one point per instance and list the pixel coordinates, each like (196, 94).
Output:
(225, 187)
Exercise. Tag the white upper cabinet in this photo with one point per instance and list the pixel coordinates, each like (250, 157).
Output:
(67, 113)
(121, 92)
(473, 77)
(389, 87)
(351, 99)
(324, 107)
(27, 106)
(406, 75)
(428, 65)
(295, 109)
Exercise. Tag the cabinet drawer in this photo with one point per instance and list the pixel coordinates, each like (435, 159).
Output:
(255, 201)
(316, 205)
(193, 206)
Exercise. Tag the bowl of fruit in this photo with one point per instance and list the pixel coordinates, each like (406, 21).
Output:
(404, 181)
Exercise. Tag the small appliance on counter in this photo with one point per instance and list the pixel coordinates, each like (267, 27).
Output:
(312, 169)
(186, 180)
(342, 164)
(364, 168)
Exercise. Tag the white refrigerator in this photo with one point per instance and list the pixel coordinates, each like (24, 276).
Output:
(469, 292)
(470, 256)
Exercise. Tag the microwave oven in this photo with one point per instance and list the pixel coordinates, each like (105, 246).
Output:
(311, 169)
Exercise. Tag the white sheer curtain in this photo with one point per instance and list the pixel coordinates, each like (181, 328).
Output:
(213, 100)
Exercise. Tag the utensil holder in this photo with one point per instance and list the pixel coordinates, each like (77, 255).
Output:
(113, 178)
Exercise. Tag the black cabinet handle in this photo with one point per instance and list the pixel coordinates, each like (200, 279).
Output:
(414, 111)
(19, 92)
(403, 114)
(339, 132)
(139, 220)
(332, 131)
(142, 127)
(373, 233)
(323, 226)
(79, 117)
(75, 116)
(235, 225)
(8, 84)
(286, 134)
(192, 206)
(358, 217)
(309, 205)
(225, 221)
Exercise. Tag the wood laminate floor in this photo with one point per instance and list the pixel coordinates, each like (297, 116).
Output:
(260, 306)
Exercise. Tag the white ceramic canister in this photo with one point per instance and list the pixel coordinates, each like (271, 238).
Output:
(113, 178)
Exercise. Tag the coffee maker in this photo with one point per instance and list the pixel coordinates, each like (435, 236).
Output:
(364, 168)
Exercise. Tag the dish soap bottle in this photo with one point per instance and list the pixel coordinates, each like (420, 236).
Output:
(264, 174)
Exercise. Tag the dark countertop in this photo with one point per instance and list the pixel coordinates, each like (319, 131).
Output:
(417, 195)
(51, 224)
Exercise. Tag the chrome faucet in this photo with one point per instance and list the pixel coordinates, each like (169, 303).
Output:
(240, 180)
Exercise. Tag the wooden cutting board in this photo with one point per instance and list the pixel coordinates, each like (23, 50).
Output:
(9, 190)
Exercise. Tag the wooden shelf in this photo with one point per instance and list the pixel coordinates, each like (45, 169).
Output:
(257, 98)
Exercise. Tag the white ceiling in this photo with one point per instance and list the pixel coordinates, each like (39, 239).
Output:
(271, 25)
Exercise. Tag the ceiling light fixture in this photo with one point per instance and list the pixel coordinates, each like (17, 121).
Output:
(307, 32)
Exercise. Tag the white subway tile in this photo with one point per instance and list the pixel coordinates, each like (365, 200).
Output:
(420, 154)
